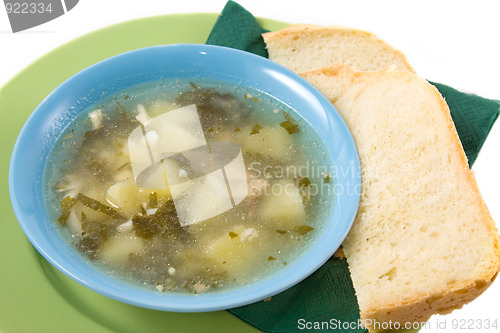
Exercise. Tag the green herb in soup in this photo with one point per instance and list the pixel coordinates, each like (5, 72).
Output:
(189, 187)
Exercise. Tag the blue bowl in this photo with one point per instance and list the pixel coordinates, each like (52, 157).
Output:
(115, 74)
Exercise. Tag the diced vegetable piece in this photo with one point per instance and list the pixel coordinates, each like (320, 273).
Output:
(283, 206)
(96, 118)
(196, 264)
(256, 186)
(232, 253)
(111, 159)
(200, 287)
(117, 250)
(274, 142)
(127, 196)
(181, 134)
(202, 198)
(70, 186)
(248, 234)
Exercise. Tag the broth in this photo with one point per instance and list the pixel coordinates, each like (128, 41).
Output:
(189, 187)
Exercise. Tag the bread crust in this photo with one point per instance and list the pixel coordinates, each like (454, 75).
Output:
(419, 308)
(311, 31)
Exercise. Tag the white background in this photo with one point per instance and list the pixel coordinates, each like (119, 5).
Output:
(452, 42)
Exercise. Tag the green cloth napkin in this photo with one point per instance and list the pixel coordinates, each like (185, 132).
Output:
(473, 116)
(328, 294)
(237, 28)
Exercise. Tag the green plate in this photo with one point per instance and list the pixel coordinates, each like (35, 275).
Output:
(35, 296)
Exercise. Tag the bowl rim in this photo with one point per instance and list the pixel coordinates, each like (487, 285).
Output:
(177, 302)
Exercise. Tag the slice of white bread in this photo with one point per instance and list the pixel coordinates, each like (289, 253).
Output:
(304, 47)
(423, 241)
